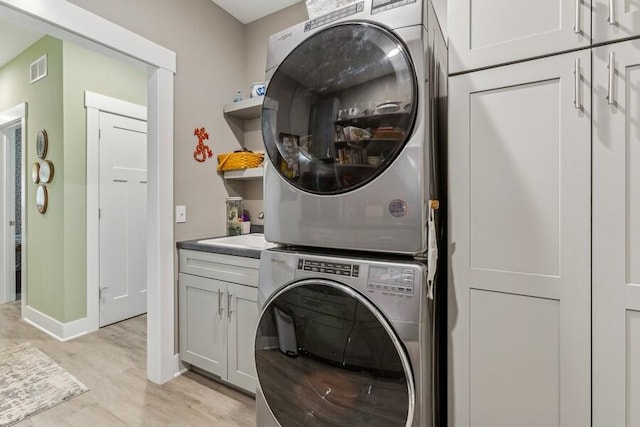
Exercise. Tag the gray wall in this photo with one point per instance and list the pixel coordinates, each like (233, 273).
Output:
(217, 55)
(210, 66)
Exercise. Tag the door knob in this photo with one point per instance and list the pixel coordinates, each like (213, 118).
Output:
(12, 223)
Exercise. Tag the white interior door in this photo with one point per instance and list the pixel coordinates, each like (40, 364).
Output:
(7, 212)
(123, 201)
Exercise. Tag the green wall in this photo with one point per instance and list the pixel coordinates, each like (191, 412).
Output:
(86, 70)
(56, 241)
(45, 271)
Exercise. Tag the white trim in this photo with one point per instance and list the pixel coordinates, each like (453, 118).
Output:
(72, 23)
(160, 240)
(111, 105)
(50, 326)
(12, 114)
(93, 223)
(94, 104)
(178, 367)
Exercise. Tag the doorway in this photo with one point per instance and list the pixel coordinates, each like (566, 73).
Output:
(11, 203)
(116, 198)
(122, 216)
(75, 24)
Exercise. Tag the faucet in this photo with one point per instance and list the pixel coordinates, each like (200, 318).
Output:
(261, 215)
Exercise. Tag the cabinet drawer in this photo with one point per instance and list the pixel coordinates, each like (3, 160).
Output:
(228, 268)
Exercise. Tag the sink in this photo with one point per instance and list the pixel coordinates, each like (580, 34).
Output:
(250, 241)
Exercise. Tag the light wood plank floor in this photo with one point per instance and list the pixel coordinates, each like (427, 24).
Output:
(112, 363)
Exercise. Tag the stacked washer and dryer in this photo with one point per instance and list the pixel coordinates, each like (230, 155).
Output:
(346, 328)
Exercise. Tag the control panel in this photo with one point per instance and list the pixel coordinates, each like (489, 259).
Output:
(392, 279)
(334, 16)
(378, 6)
(337, 268)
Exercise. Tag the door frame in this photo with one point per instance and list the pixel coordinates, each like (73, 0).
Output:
(72, 23)
(95, 104)
(16, 115)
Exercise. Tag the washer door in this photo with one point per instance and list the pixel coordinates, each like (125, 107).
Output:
(340, 108)
(325, 356)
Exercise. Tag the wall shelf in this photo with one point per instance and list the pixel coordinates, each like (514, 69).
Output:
(246, 109)
(244, 174)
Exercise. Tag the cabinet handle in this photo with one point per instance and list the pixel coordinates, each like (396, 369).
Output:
(611, 20)
(220, 308)
(612, 74)
(576, 88)
(576, 27)
(229, 311)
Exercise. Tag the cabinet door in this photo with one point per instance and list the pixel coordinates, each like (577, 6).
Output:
(483, 33)
(616, 235)
(203, 326)
(519, 298)
(243, 319)
(615, 20)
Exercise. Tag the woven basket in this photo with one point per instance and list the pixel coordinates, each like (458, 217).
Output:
(239, 160)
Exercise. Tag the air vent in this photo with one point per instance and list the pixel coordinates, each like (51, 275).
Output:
(38, 69)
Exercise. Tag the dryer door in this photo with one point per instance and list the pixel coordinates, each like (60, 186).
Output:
(340, 108)
(325, 356)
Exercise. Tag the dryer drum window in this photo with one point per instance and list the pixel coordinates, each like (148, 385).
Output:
(340, 108)
(326, 357)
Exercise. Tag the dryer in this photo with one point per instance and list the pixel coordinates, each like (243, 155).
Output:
(345, 123)
(342, 340)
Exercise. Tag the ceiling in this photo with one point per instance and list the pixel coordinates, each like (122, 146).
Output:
(14, 39)
(247, 11)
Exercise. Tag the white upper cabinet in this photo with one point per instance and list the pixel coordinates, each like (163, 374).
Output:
(616, 234)
(484, 33)
(519, 230)
(615, 20)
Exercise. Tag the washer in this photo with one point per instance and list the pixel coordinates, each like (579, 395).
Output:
(342, 340)
(345, 122)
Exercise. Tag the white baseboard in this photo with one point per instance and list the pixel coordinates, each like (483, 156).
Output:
(58, 330)
(178, 367)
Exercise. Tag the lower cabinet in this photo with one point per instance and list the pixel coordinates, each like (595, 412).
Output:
(217, 325)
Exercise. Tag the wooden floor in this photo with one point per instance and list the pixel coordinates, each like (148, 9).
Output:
(112, 363)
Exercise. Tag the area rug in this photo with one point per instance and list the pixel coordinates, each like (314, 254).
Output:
(30, 382)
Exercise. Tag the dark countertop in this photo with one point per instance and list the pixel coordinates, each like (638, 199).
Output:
(224, 250)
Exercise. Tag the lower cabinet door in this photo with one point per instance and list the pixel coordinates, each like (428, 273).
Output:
(203, 323)
(242, 319)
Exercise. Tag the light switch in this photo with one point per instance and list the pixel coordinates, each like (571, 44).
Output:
(181, 214)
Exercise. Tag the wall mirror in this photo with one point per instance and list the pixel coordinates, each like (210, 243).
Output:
(35, 173)
(42, 199)
(42, 144)
(46, 171)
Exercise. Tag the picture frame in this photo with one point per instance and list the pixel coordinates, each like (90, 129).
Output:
(42, 144)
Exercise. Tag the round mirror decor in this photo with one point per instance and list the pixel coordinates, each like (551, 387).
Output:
(46, 171)
(42, 199)
(42, 144)
(35, 173)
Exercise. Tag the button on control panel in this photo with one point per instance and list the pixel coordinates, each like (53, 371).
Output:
(339, 269)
